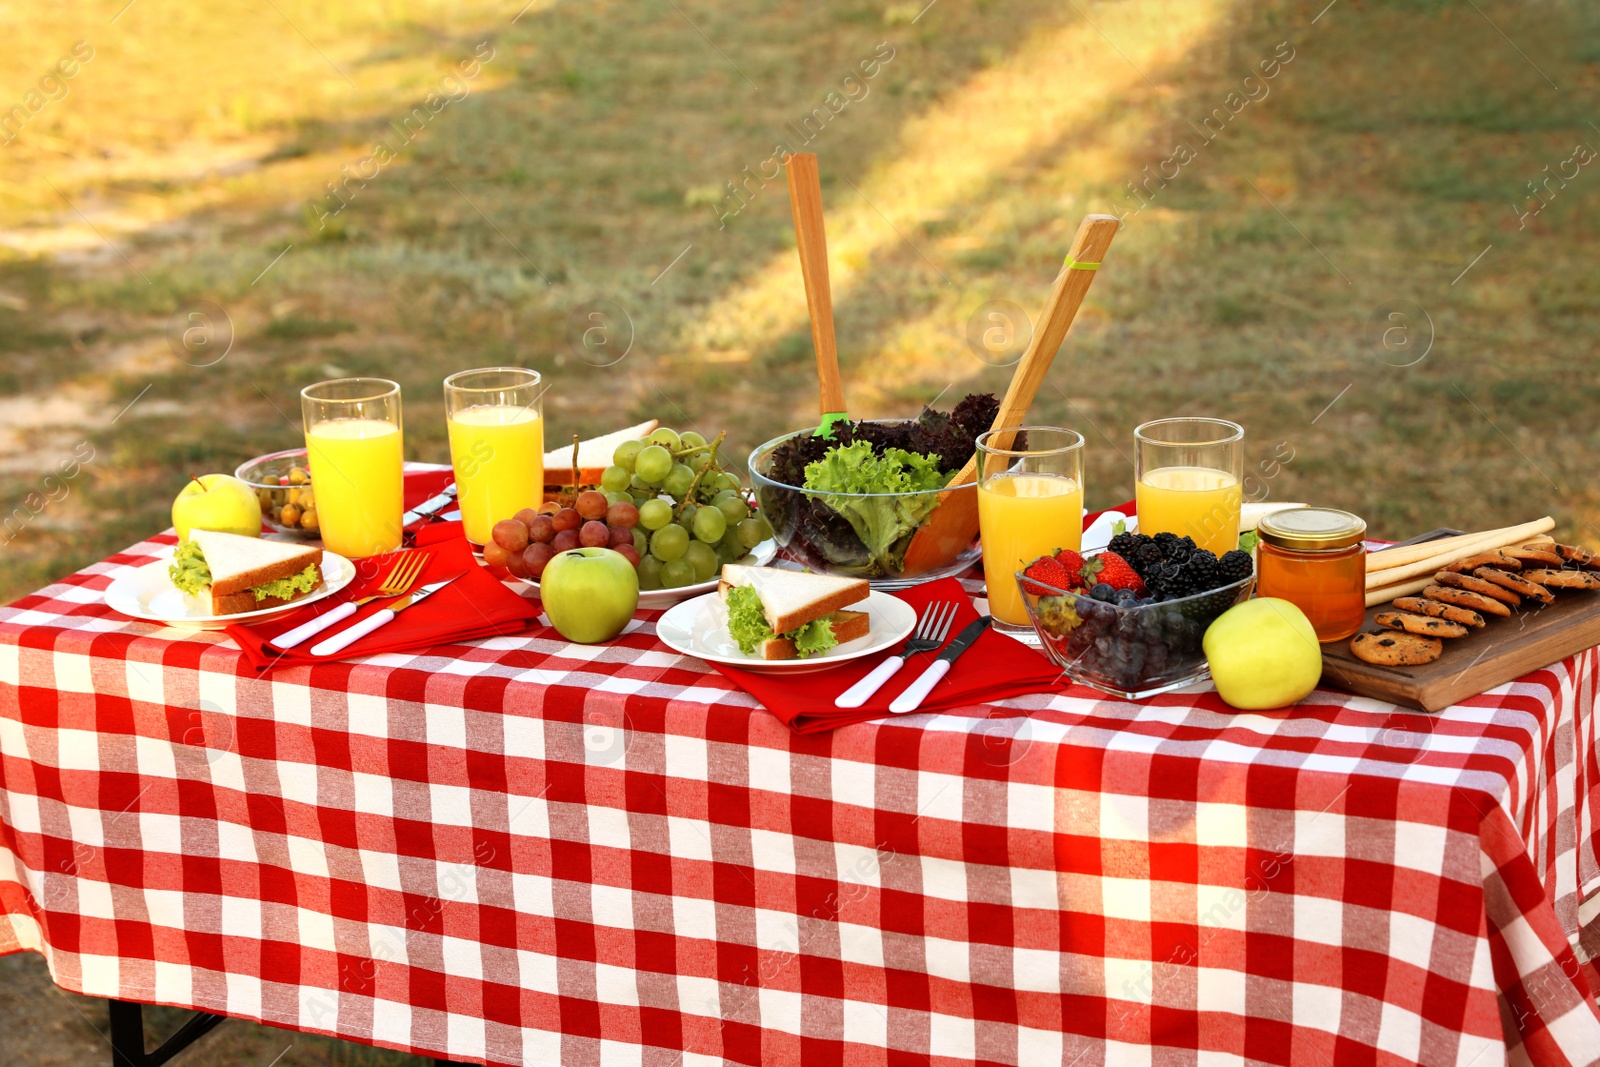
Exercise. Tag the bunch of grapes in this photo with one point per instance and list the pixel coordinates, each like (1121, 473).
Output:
(665, 503)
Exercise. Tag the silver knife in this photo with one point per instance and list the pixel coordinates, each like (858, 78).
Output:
(349, 636)
(430, 506)
(918, 690)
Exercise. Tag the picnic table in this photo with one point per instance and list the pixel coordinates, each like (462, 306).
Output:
(525, 851)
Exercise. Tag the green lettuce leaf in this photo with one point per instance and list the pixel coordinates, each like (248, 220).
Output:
(284, 588)
(884, 524)
(1247, 541)
(188, 570)
(748, 626)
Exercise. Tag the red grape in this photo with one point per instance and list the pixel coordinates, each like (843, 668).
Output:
(495, 555)
(591, 504)
(565, 540)
(510, 535)
(515, 565)
(534, 559)
(624, 513)
(567, 519)
(542, 529)
(627, 553)
(525, 516)
(620, 535)
(595, 535)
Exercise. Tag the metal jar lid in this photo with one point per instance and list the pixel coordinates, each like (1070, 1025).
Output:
(1311, 529)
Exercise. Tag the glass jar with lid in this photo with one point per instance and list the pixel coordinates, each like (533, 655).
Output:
(1314, 558)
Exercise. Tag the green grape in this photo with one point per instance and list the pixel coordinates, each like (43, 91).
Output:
(727, 555)
(653, 464)
(615, 479)
(626, 453)
(731, 542)
(690, 439)
(677, 483)
(733, 509)
(665, 438)
(766, 527)
(655, 514)
(649, 572)
(677, 574)
(669, 543)
(703, 558)
(709, 525)
(617, 498)
(686, 517)
(726, 481)
(641, 544)
(637, 484)
(638, 496)
(699, 461)
(750, 533)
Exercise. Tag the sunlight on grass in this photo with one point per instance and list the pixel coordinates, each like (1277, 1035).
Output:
(1052, 88)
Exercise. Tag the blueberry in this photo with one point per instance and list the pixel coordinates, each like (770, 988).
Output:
(1126, 597)
(1102, 592)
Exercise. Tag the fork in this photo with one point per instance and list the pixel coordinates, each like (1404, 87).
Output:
(402, 576)
(932, 629)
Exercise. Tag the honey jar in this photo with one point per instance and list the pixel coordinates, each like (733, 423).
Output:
(1314, 558)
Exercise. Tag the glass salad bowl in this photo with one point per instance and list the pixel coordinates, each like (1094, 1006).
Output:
(855, 534)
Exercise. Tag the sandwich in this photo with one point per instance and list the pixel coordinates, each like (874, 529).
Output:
(244, 573)
(780, 614)
(594, 456)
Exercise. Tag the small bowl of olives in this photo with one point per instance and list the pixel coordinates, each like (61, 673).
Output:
(282, 482)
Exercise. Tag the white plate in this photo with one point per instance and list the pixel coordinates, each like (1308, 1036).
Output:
(698, 628)
(659, 599)
(148, 594)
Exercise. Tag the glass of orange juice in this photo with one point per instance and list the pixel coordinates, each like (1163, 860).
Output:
(353, 439)
(1030, 502)
(496, 429)
(1189, 473)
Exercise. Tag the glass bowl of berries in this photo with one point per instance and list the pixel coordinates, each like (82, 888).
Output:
(1129, 621)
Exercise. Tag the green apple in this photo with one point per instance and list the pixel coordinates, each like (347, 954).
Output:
(217, 502)
(589, 593)
(1263, 654)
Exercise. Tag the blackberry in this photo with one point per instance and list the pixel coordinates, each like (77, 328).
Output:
(1147, 556)
(1126, 544)
(1180, 550)
(1202, 568)
(1234, 566)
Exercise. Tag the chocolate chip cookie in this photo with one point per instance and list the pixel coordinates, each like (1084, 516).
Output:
(1422, 606)
(1389, 648)
(1463, 598)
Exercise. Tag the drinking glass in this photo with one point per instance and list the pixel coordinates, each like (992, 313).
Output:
(353, 437)
(1189, 473)
(496, 427)
(1030, 502)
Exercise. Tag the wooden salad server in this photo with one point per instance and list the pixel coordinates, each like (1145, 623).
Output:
(805, 202)
(954, 523)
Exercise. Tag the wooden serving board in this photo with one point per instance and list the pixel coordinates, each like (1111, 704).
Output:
(1534, 636)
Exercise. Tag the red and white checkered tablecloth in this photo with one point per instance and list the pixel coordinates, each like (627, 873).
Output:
(526, 851)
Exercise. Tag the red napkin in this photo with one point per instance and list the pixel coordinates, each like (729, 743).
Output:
(474, 605)
(996, 666)
(421, 485)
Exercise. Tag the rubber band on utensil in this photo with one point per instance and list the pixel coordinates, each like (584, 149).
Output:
(825, 429)
(1074, 264)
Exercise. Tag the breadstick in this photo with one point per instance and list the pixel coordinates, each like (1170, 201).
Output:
(1482, 543)
(1389, 592)
(1390, 558)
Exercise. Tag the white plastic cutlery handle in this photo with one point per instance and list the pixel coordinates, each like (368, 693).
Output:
(912, 698)
(345, 638)
(859, 693)
(315, 626)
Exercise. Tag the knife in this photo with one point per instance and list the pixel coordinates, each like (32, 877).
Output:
(430, 506)
(912, 698)
(347, 637)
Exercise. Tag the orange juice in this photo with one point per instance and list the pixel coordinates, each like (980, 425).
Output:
(356, 470)
(1020, 518)
(498, 454)
(1195, 502)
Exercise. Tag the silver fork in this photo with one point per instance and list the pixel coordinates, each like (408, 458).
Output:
(932, 629)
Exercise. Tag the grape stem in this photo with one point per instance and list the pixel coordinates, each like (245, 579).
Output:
(575, 486)
(711, 464)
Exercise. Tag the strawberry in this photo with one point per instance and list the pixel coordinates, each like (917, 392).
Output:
(1112, 569)
(1050, 573)
(1073, 564)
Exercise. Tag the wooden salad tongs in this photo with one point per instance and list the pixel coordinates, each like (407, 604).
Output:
(954, 523)
(805, 202)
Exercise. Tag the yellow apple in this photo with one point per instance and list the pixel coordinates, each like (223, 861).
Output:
(218, 502)
(1263, 654)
